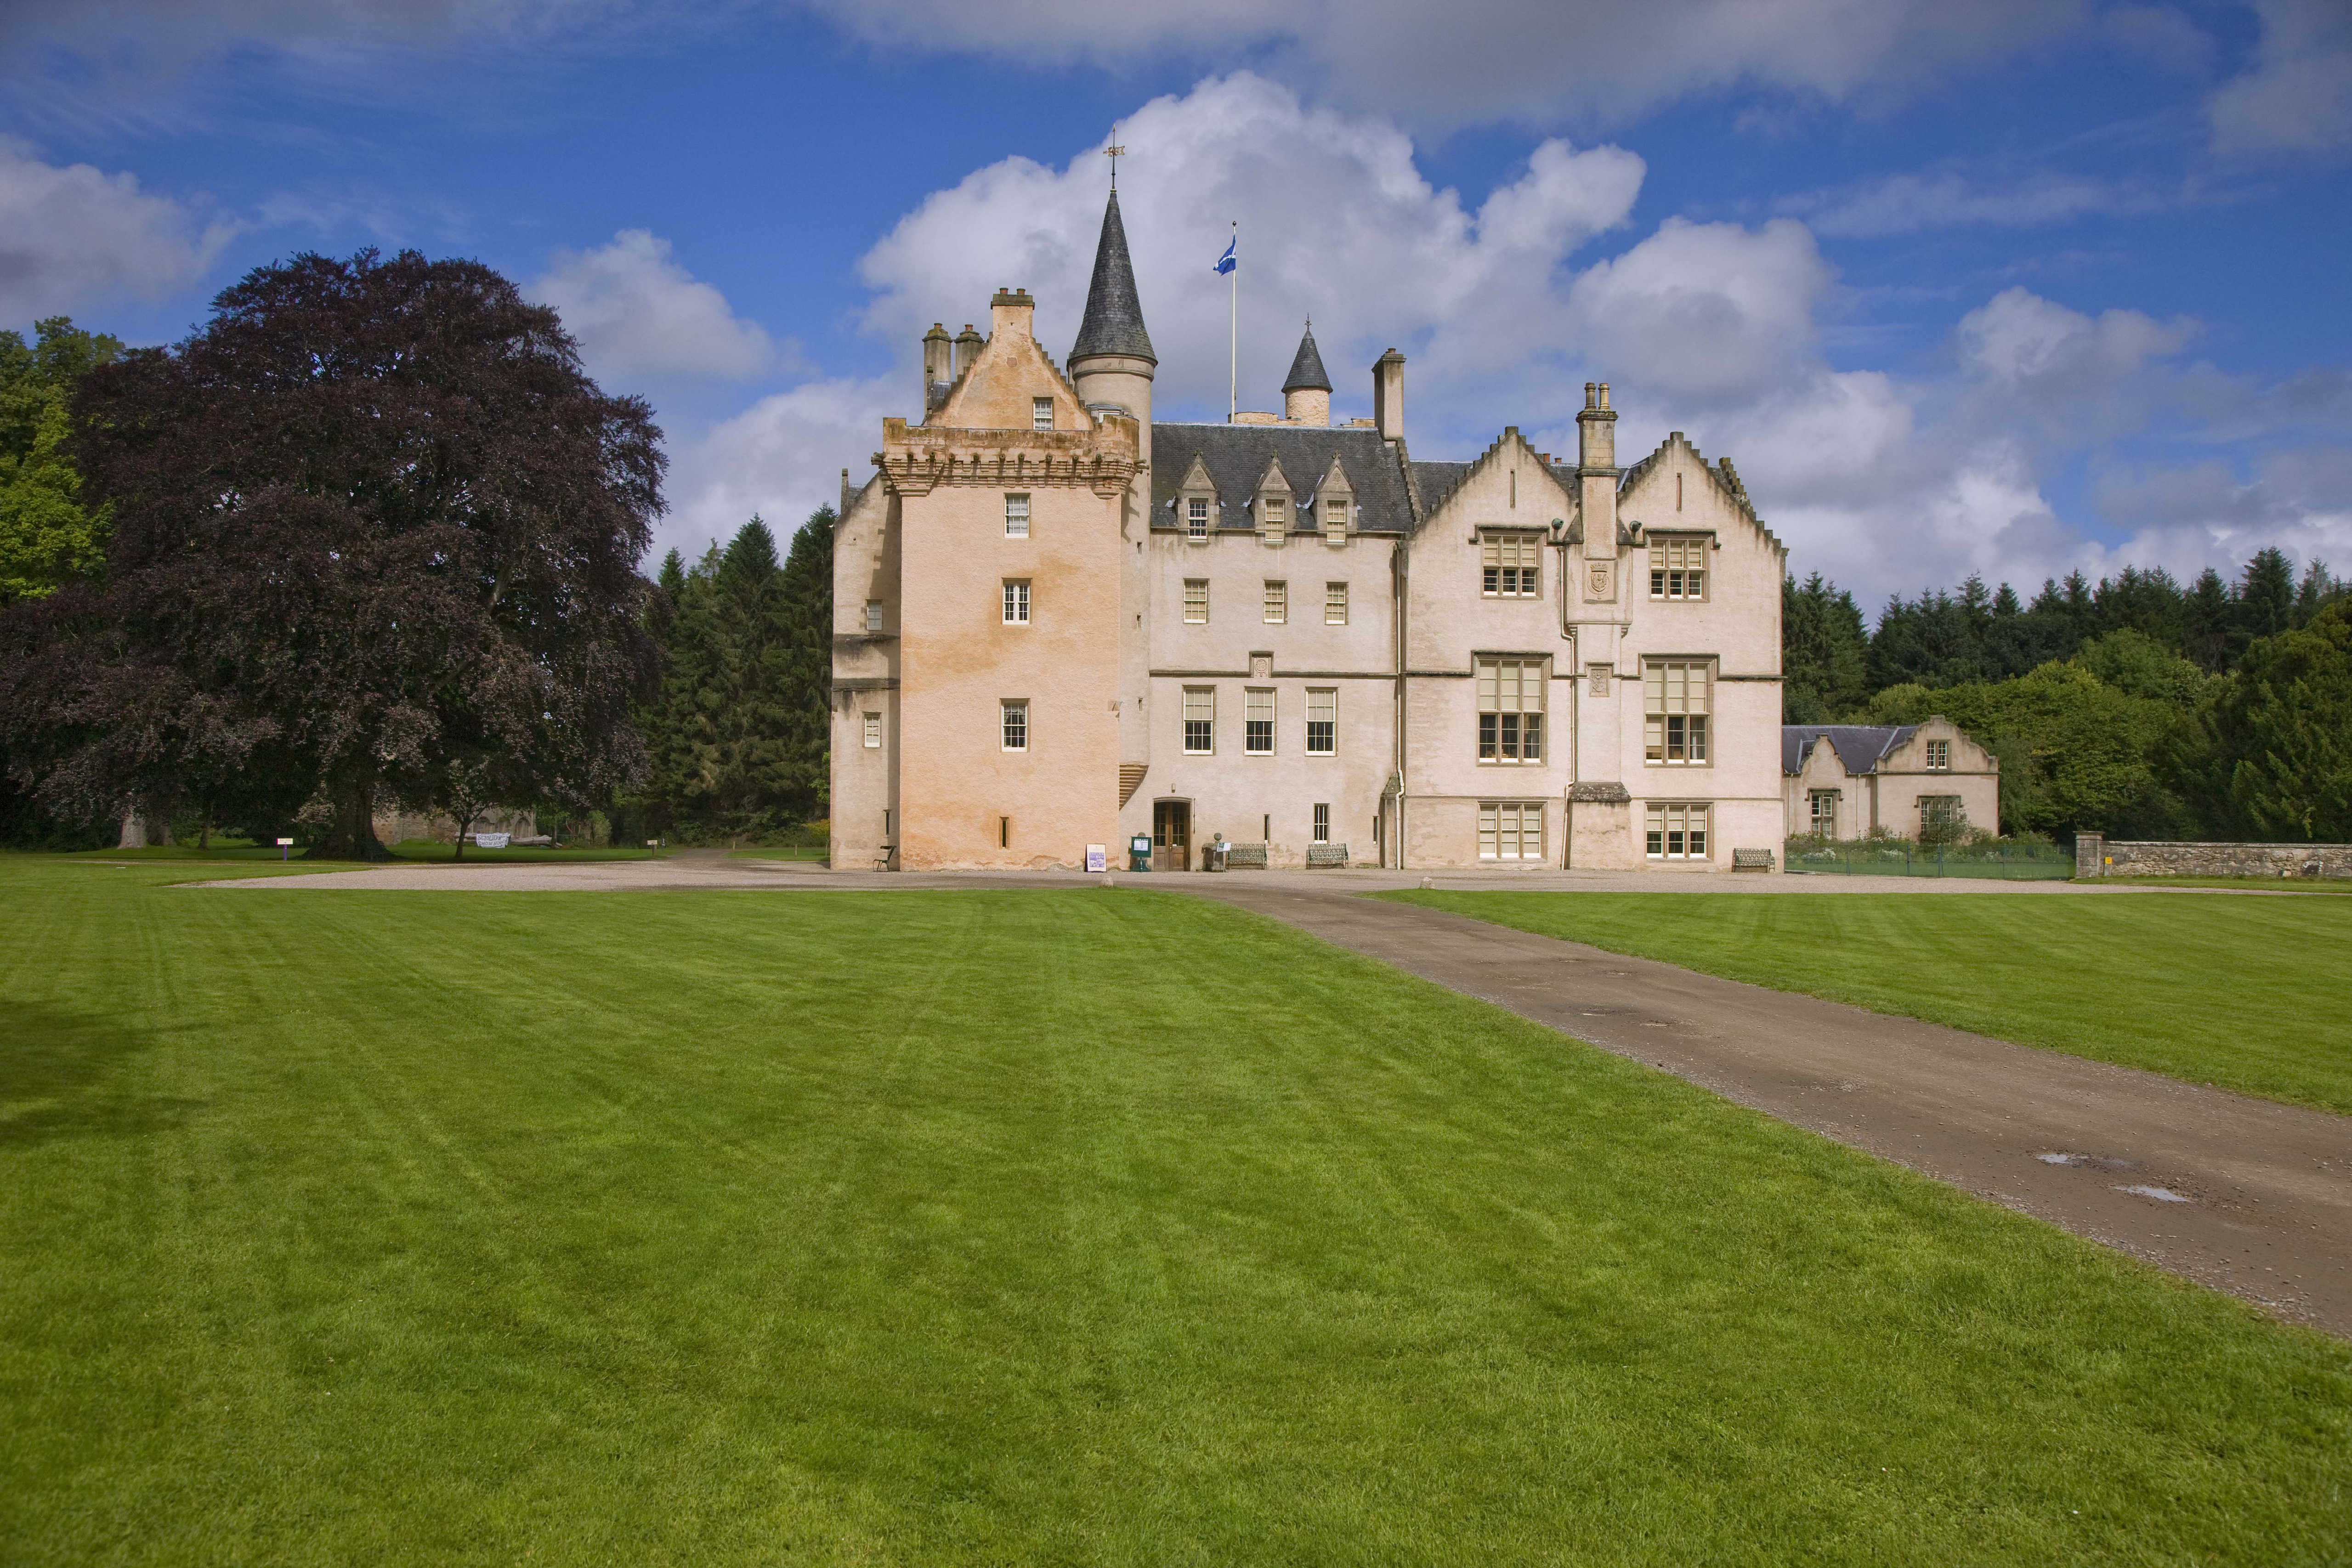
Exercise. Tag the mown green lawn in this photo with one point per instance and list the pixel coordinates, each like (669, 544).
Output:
(2251, 994)
(1025, 1227)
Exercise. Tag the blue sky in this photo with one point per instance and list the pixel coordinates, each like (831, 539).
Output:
(2007, 288)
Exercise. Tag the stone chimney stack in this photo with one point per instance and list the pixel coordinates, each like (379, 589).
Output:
(967, 349)
(938, 357)
(1388, 395)
(1596, 430)
(1010, 312)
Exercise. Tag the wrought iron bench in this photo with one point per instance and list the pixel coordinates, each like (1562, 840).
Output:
(1327, 855)
(1751, 860)
(1245, 857)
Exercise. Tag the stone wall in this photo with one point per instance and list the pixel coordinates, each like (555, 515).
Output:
(394, 826)
(2095, 856)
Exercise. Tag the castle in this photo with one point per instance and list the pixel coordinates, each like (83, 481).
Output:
(1059, 625)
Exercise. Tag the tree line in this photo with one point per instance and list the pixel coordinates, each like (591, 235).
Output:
(2135, 706)
(369, 536)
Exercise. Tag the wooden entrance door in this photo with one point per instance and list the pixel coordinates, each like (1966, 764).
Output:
(1171, 835)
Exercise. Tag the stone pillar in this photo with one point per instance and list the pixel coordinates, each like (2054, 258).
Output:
(2090, 855)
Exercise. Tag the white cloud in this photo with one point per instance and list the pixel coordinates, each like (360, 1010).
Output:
(780, 458)
(637, 313)
(1338, 222)
(72, 235)
(1911, 203)
(2022, 342)
(1538, 60)
(2298, 96)
(1707, 312)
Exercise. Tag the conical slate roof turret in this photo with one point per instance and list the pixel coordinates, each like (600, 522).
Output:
(1307, 373)
(1114, 321)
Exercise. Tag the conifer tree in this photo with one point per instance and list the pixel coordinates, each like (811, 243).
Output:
(2269, 756)
(1823, 649)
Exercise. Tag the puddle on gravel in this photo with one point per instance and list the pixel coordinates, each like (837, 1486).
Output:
(2088, 1162)
(2161, 1194)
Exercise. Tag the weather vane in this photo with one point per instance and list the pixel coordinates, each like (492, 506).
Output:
(1112, 152)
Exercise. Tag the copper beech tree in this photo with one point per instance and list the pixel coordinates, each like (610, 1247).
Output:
(374, 535)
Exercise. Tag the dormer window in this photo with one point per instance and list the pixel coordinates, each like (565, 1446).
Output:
(1334, 519)
(1275, 516)
(1041, 414)
(1196, 520)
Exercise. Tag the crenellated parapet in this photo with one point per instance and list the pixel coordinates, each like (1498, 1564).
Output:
(916, 459)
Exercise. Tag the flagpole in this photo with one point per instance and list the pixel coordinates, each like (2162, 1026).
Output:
(1233, 329)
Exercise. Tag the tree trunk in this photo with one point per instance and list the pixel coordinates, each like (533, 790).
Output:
(134, 832)
(351, 835)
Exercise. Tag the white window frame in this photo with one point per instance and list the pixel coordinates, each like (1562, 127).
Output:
(1322, 721)
(1012, 723)
(1016, 602)
(1335, 604)
(1200, 721)
(1320, 833)
(1822, 807)
(1257, 721)
(1277, 603)
(1016, 515)
(1677, 713)
(1196, 518)
(1678, 567)
(873, 731)
(1041, 414)
(1511, 830)
(1196, 602)
(1511, 695)
(873, 615)
(1939, 756)
(1679, 831)
(1274, 517)
(1510, 565)
(1336, 510)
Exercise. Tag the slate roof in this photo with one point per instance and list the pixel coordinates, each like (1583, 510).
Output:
(1860, 746)
(1236, 456)
(1437, 481)
(1307, 373)
(1113, 318)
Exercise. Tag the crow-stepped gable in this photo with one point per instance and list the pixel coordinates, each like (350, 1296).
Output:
(1059, 625)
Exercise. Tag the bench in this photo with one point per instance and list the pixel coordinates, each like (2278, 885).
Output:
(1245, 857)
(1751, 860)
(1327, 855)
(882, 853)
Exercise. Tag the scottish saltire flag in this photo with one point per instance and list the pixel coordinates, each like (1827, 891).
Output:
(1225, 262)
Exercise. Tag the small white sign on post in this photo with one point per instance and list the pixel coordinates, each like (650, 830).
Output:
(1097, 857)
(284, 846)
(490, 840)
